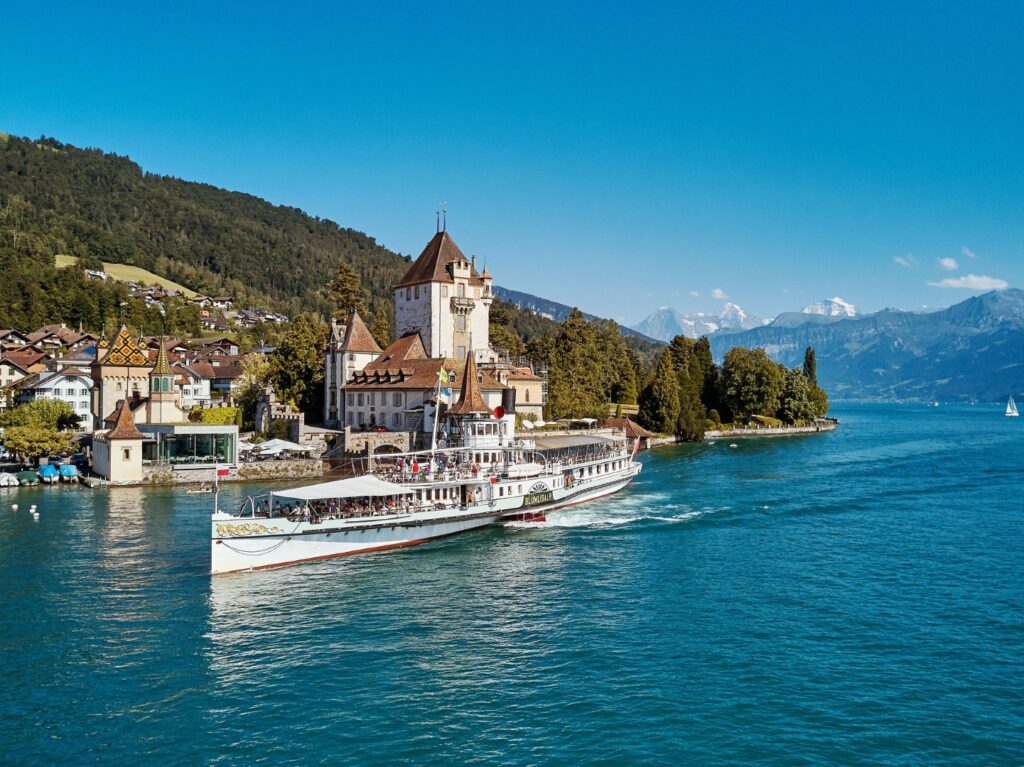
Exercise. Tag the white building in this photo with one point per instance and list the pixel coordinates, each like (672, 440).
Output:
(195, 389)
(72, 385)
(444, 299)
(442, 312)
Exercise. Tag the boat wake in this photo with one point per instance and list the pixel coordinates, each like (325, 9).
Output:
(635, 510)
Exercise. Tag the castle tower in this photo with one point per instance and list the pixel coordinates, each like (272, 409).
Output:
(350, 349)
(119, 371)
(444, 299)
(163, 394)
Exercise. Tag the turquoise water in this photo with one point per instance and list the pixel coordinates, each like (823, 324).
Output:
(852, 598)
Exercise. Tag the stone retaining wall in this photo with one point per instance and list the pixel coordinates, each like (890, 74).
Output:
(165, 474)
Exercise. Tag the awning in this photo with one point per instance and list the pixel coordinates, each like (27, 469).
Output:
(353, 487)
(560, 441)
(283, 444)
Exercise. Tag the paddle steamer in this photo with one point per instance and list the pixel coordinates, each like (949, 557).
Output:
(491, 478)
(482, 475)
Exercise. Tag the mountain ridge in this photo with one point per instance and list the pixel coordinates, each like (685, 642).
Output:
(970, 350)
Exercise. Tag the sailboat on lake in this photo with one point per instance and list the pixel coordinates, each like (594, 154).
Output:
(1011, 408)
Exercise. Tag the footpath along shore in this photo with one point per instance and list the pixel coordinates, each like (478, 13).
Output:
(822, 425)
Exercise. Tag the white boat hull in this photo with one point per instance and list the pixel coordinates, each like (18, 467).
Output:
(258, 543)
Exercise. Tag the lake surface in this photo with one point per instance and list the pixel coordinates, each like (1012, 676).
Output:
(851, 598)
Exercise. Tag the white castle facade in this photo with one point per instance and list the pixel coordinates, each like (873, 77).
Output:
(442, 316)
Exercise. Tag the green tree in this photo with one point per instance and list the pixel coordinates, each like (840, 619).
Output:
(659, 402)
(690, 421)
(810, 366)
(576, 382)
(297, 364)
(795, 404)
(380, 328)
(42, 413)
(819, 400)
(35, 441)
(346, 292)
(751, 382)
(503, 337)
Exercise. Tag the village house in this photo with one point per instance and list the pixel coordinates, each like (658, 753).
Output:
(69, 384)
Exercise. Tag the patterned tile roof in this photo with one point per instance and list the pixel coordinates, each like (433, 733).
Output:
(162, 367)
(126, 351)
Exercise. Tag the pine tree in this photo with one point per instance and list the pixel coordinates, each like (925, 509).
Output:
(346, 291)
(380, 328)
(690, 421)
(659, 403)
(810, 366)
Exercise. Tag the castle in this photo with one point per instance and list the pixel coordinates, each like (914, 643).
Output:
(442, 320)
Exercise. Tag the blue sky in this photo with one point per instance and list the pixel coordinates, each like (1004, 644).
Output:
(615, 156)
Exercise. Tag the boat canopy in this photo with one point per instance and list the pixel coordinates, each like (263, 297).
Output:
(353, 487)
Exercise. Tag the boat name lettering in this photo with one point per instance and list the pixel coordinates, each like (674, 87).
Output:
(246, 529)
(538, 495)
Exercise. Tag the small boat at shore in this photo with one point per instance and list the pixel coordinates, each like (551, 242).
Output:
(8, 480)
(48, 473)
(68, 472)
(1011, 408)
(28, 478)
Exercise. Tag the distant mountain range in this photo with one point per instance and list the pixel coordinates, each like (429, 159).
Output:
(554, 310)
(832, 307)
(972, 350)
(667, 323)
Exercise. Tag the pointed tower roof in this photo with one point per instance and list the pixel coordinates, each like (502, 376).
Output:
(126, 351)
(470, 401)
(358, 337)
(162, 366)
(124, 424)
(432, 265)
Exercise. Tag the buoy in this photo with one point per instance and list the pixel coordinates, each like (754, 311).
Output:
(14, 507)
(733, 445)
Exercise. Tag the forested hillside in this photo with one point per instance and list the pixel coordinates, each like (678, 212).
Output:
(58, 199)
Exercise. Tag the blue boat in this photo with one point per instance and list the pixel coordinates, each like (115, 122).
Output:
(68, 472)
(48, 473)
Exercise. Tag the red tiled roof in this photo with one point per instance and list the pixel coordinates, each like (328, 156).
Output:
(432, 265)
(124, 424)
(408, 347)
(470, 401)
(358, 337)
(633, 431)
(24, 359)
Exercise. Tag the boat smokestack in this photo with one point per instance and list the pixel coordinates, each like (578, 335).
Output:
(508, 400)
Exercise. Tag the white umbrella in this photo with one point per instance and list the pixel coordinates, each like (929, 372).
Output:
(279, 445)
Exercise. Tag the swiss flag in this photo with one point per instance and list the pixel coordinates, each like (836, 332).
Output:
(222, 471)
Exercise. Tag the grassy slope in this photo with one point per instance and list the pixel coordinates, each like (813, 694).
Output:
(125, 273)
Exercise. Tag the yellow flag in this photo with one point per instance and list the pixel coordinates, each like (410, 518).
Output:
(443, 375)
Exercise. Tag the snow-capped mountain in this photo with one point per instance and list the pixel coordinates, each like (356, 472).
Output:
(831, 307)
(667, 323)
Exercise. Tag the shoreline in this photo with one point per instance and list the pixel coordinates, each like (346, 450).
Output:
(754, 432)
